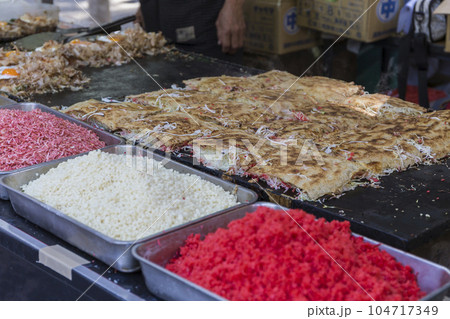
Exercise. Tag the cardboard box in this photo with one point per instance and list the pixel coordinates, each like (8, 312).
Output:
(272, 27)
(377, 20)
(444, 8)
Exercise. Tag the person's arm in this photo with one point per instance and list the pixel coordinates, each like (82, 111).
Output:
(230, 26)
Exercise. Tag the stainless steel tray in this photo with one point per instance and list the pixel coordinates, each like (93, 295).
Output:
(5, 101)
(432, 278)
(103, 247)
(108, 138)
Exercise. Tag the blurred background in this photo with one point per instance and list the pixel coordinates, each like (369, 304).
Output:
(103, 11)
(278, 37)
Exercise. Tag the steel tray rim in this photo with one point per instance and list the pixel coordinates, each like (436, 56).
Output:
(144, 261)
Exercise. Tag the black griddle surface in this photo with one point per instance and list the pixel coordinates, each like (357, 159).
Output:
(132, 78)
(410, 208)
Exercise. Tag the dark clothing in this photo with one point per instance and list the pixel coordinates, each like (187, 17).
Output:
(190, 24)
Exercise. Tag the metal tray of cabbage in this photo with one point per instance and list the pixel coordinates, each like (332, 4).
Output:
(107, 138)
(156, 253)
(107, 249)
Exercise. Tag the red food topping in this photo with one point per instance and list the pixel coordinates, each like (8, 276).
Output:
(350, 156)
(300, 116)
(267, 256)
(29, 138)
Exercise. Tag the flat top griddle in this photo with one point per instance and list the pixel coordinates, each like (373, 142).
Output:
(128, 79)
(411, 208)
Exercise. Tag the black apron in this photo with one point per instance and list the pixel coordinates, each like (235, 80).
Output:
(190, 24)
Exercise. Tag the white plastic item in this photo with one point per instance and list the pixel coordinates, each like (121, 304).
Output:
(13, 9)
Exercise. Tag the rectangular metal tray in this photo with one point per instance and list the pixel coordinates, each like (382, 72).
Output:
(432, 278)
(5, 101)
(106, 137)
(102, 247)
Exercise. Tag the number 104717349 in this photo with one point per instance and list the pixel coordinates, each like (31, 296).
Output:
(414, 310)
